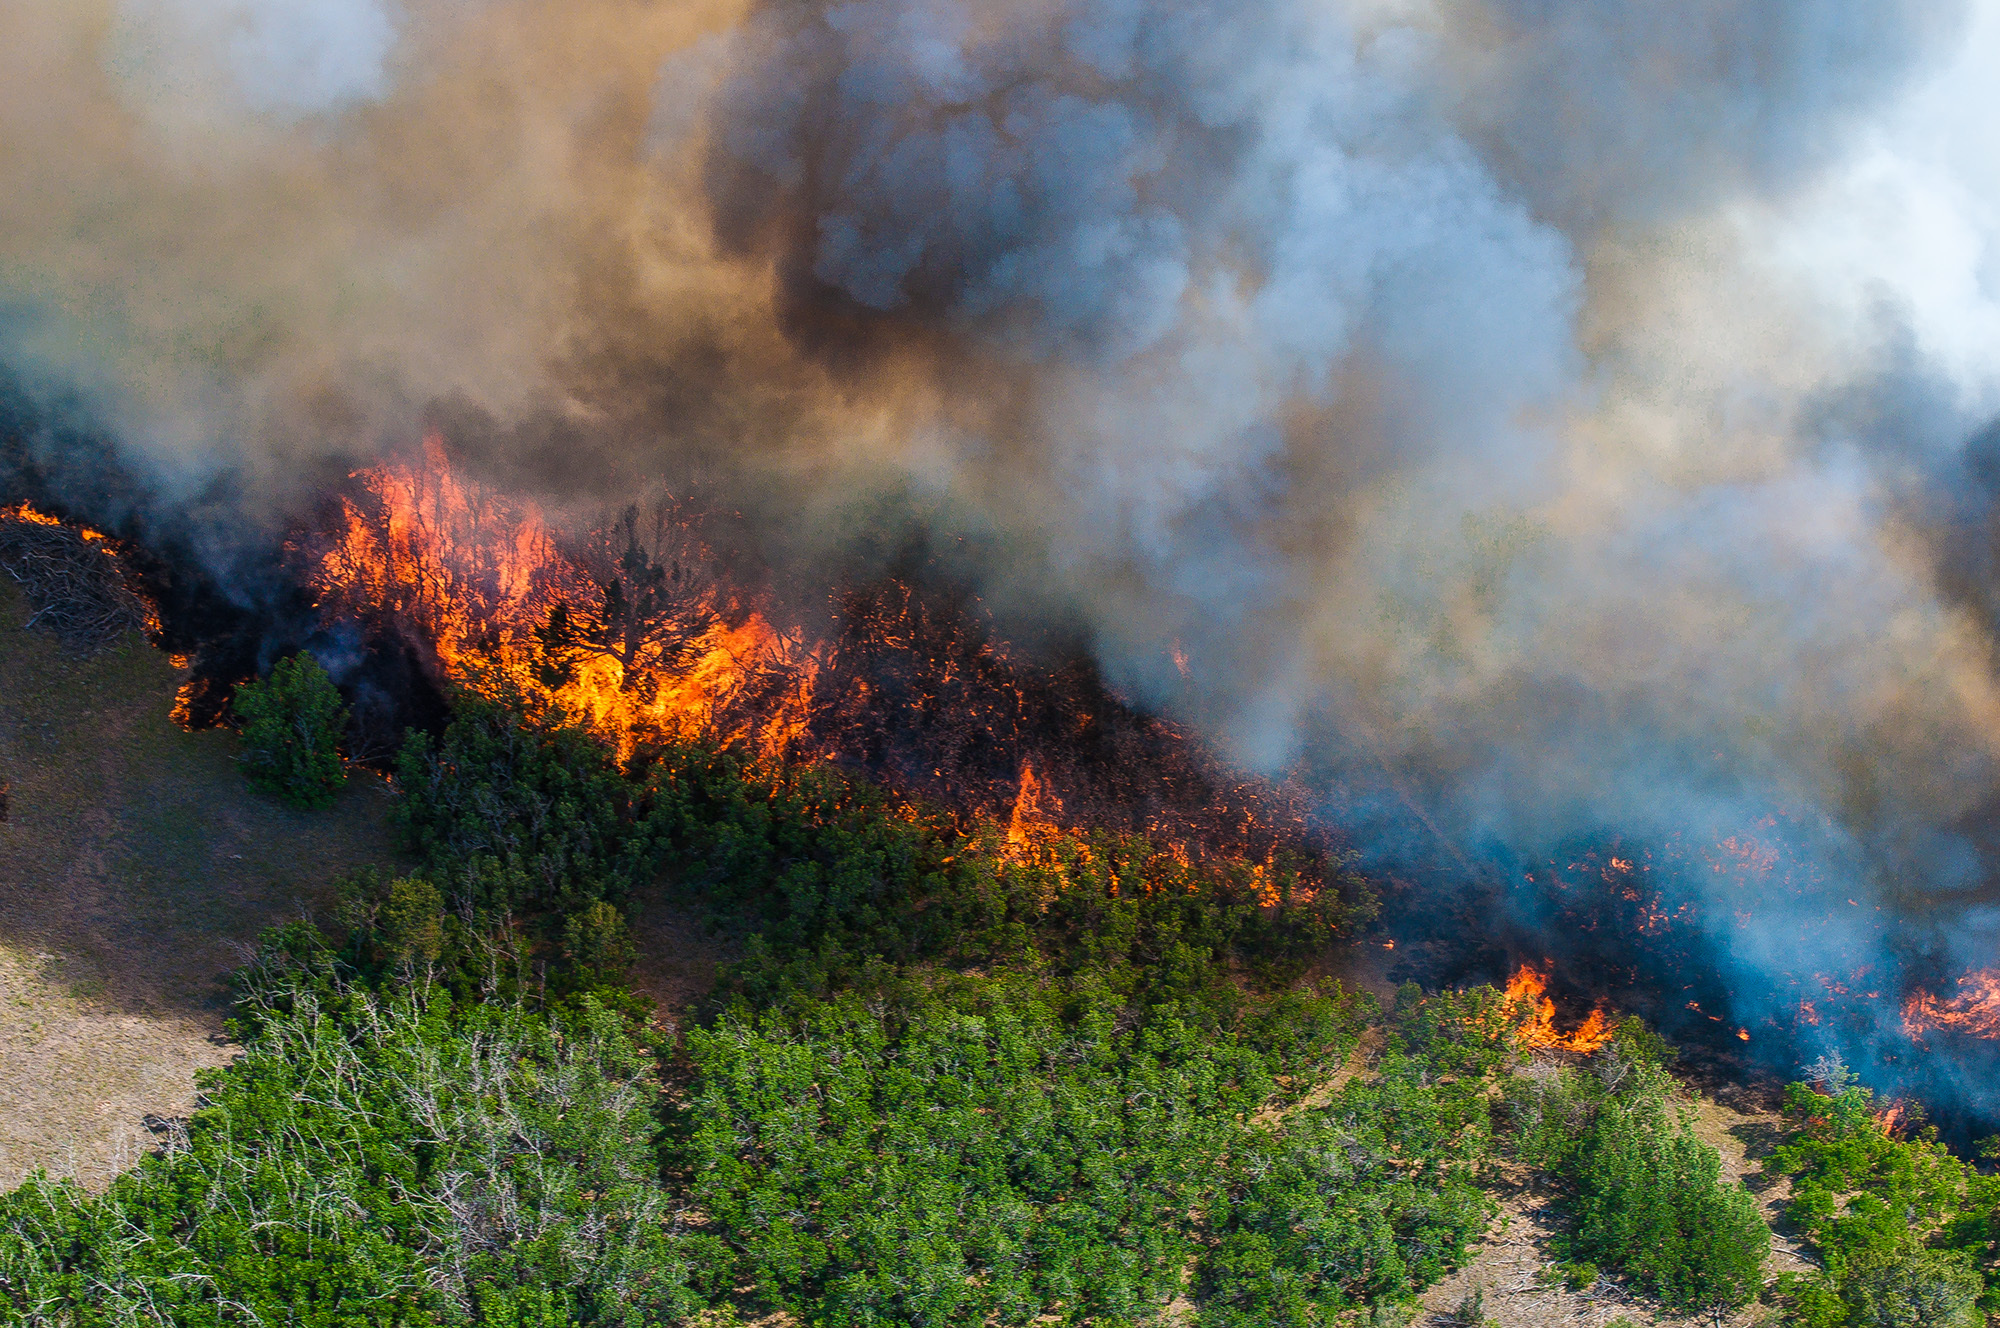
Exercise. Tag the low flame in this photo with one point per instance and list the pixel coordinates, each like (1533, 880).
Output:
(1973, 1012)
(34, 516)
(1537, 1030)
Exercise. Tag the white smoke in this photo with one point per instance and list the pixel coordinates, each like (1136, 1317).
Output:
(190, 60)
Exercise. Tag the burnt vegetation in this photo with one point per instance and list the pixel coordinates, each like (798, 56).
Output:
(75, 585)
(653, 605)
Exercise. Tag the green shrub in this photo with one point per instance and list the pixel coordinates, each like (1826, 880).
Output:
(510, 815)
(1913, 1288)
(411, 921)
(376, 1160)
(978, 1149)
(820, 874)
(594, 939)
(292, 725)
(1369, 1199)
(1900, 1224)
(1651, 1203)
(1648, 1201)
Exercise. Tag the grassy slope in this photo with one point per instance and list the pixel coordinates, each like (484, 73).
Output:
(133, 862)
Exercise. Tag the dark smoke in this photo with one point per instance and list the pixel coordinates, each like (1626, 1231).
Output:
(1545, 424)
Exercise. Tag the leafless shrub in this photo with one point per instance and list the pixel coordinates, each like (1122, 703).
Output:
(73, 583)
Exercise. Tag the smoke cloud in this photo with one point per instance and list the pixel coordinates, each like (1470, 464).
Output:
(1544, 419)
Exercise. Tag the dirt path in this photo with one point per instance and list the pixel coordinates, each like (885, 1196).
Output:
(1516, 1275)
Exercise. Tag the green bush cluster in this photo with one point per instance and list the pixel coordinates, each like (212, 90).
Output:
(1374, 1195)
(946, 1150)
(821, 873)
(292, 724)
(951, 1082)
(1907, 1234)
(516, 817)
(375, 1158)
(999, 1149)
(1646, 1196)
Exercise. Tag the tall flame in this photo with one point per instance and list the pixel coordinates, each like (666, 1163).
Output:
(1537, 1030)
(486, 582)
(1032, 825)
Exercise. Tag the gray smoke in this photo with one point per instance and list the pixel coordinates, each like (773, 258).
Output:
(1556, 418)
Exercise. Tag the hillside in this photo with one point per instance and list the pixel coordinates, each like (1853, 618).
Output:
(954, 1078)
(134, 864)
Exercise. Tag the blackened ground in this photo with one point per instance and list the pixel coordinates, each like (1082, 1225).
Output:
(1620, 923)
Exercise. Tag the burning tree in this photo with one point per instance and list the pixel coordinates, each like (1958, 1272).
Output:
(652, 612)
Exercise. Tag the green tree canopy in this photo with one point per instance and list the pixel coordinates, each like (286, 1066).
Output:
(292, 723)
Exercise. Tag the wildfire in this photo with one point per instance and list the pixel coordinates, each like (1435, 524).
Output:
(638, 629)
(1032, 825)
(1537, 1031)
(622, 629)
(1974, 1011)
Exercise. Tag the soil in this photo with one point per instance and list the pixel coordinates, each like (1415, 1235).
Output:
(1516, 1276)
(136, 868)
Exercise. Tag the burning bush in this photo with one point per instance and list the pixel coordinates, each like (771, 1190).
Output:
(292, 724)
(72, 580)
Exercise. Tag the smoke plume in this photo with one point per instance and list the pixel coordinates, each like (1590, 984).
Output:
(1525, 420)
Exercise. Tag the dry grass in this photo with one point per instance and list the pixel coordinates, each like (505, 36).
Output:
(135, 863)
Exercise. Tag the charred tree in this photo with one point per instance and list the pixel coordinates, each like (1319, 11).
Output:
(652, 606)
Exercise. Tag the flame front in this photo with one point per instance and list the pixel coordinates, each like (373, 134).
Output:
(631, 640)
(1537, 1030)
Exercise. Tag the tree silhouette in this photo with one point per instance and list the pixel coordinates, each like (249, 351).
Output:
(654, 603)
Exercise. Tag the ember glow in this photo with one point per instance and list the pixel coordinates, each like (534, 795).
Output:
(1973, 1011)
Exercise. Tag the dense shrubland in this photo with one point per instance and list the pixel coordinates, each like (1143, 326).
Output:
(953, 1080)
(1907, 1234)
(1647, 1196)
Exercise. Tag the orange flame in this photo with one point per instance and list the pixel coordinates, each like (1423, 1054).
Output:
(1537, 1031)
(1033, 823)
(1974, 1012)
(488, 584)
